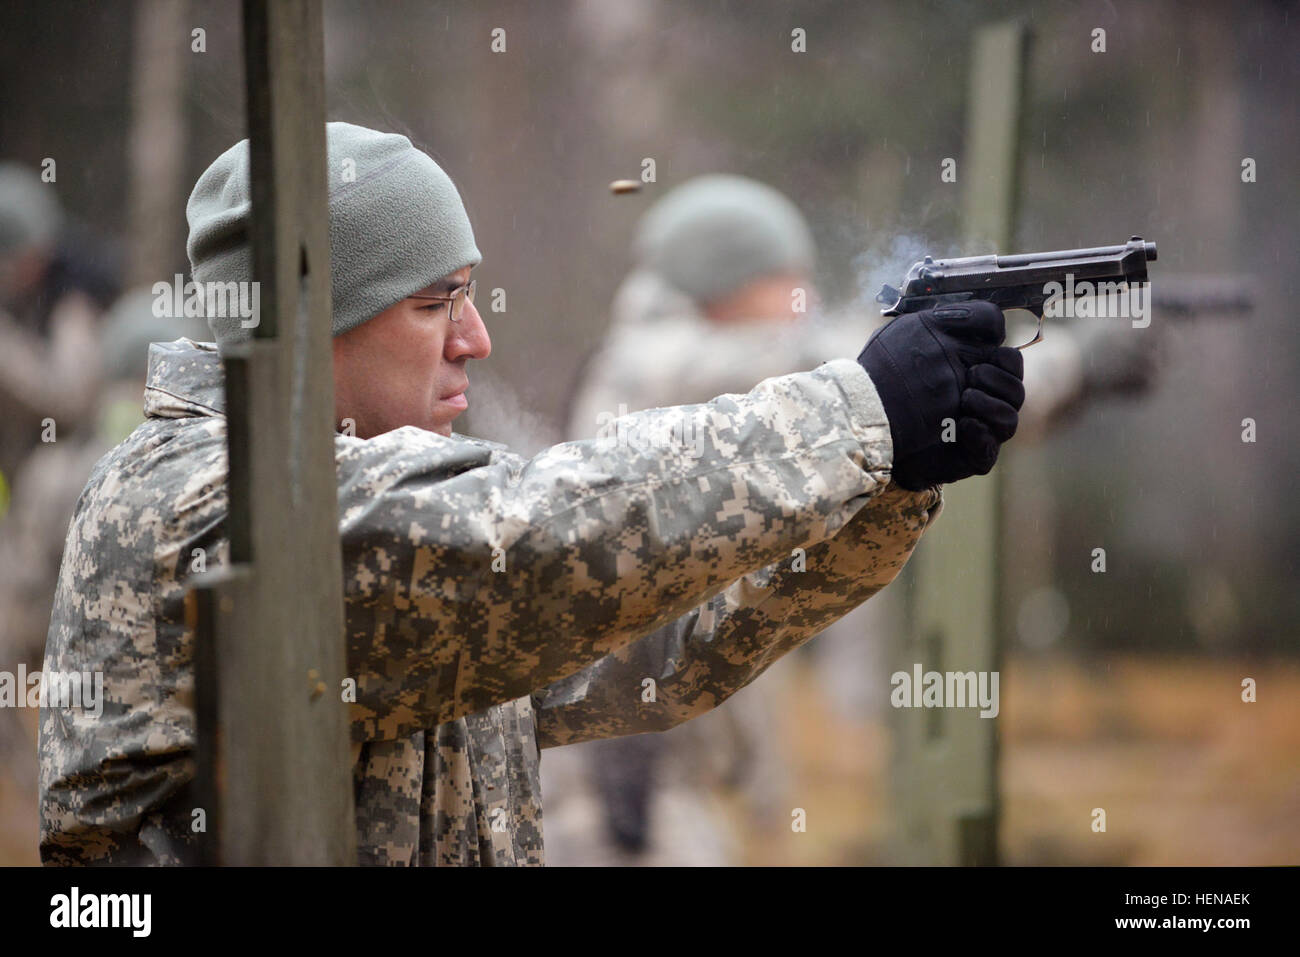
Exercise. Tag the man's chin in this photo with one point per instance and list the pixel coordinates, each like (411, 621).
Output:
(442, 424)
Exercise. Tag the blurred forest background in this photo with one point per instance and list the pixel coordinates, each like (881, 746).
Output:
(1135, 680)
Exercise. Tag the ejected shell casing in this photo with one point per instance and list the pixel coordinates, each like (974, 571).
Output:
(621, 186)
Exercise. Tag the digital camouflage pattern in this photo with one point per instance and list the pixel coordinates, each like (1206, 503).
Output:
(31, 548)
(494, 605)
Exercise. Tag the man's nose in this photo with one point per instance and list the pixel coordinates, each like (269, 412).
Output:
(469, 339)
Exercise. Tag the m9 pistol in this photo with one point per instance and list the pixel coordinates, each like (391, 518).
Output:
(1017, 282)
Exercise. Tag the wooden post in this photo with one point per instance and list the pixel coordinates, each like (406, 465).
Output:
(274, 756)
(946, 759)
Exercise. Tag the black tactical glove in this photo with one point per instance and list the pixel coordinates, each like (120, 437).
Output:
(946, 363)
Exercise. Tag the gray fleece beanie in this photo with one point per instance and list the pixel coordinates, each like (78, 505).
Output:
(397, 224)
(713, 234)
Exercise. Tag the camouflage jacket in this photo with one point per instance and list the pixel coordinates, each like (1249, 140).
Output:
(777, 520)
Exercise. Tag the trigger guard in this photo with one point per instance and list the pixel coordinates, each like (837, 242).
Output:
(1038, 336)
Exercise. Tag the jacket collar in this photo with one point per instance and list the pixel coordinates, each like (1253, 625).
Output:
(185, 379)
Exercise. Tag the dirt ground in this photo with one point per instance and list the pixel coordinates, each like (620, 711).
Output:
(1187, 772)
(18, 819)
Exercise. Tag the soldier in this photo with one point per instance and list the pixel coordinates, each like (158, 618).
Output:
(722, 290)
(464, 673)
(54, 283)
(722, 265)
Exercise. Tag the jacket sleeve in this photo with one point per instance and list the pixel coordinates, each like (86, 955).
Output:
(701, 659)
(473, 577)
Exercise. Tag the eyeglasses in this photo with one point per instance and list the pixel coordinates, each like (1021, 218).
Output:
(459, 296)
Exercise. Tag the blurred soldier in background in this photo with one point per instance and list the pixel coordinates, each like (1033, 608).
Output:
(54, 283)
(45, 492)
(722, 295)
(718, 296)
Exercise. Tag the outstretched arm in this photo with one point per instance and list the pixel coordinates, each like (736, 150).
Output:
(698, 661)
(474, 578)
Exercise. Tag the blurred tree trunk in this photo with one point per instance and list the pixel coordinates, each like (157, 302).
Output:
(156, 150)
